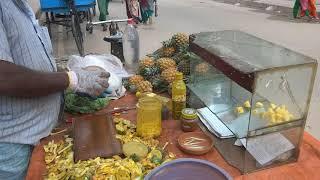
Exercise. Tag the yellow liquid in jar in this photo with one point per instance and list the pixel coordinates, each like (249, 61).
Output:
(149, 117)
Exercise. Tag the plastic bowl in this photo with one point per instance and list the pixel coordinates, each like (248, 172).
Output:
(201, 143)
(188, 169)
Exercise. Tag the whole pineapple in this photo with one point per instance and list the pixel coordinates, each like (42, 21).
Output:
(149, 72)
(202, 68)
(144, 86)
(135, 79)
(146, 62)
(184, 67)
(169, 74)
(167, 49)
(158, 83)
(180, 40)
(166, 63)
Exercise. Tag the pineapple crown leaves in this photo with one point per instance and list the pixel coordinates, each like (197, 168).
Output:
(149, 72)
(158, 83)
(184, 48)
(167, 43)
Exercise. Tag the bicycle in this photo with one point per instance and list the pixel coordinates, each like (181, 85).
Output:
(72, 13)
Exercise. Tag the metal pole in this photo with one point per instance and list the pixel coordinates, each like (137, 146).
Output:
(108, 21)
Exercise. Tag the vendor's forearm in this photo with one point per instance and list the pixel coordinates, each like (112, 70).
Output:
(20, 81)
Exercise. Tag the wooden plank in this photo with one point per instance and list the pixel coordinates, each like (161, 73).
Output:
(94, 136)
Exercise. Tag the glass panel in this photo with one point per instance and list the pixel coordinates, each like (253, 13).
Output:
(272, 149)
(281, 96)
(221, 95)
(246, 52)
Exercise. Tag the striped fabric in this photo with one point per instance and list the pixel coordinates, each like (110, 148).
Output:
(14, 160)
(24, 42)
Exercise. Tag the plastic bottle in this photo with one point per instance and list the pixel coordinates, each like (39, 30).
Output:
(179, 93)
(130, 40)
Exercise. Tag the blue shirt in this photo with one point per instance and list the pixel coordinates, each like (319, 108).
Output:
(25, 43)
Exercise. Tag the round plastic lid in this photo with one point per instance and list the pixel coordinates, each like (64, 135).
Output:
(189, 113)
(188, 169)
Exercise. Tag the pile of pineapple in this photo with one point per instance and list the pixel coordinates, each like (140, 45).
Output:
(157, 71)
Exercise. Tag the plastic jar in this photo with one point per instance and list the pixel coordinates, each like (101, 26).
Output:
(189, 119)
(149, 117)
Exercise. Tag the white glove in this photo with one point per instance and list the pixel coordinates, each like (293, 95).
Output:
(92, 83)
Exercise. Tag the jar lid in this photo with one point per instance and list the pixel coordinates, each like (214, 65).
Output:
(189, 113)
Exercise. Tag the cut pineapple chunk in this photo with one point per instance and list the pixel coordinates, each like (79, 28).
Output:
(259, 105)
(247, 104)
(273, 106)
(239, 110)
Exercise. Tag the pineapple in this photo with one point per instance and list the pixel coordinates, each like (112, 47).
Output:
(202, 68)
(135, 79)
(184, 67)
(158, 83)
(144, 86)
(167, 49)
(166, 63)
(149, 72)
(146, 62)
(169, 74)
(180, 39)
(182, 53)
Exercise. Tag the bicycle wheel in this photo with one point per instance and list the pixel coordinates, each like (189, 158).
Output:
(77, 33)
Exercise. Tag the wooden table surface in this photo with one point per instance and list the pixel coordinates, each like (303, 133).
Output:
(306, 168)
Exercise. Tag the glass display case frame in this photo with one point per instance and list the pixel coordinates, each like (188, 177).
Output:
(259, 90)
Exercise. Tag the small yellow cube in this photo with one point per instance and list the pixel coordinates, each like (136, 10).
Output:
(273, 106)
(278, 110)
(239, 110)
(273, 118)
(247, 104)
(279, 117)
(259, 105)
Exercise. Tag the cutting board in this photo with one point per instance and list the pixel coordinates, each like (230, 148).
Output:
(95, 136)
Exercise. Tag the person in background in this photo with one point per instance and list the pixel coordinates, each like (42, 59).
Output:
(306, 7)
(31, 89)
(132, 8)
(103, 6)
(147, 10)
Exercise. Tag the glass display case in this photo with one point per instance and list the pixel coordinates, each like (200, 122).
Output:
(253, 95)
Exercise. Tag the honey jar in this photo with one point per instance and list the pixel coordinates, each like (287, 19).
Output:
(189, 119)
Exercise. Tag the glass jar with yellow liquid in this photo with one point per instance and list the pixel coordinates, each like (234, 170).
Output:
(149, 117)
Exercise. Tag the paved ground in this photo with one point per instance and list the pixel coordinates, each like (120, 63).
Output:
(279, 8)
(207, 15)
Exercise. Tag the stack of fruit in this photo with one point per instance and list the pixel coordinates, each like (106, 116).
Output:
(157, 71)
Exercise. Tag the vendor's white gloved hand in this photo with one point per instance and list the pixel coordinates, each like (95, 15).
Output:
(90, 82)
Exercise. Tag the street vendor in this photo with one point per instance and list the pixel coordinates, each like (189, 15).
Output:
(30, 86)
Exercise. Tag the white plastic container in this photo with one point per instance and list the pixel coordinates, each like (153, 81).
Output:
(131, 48)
